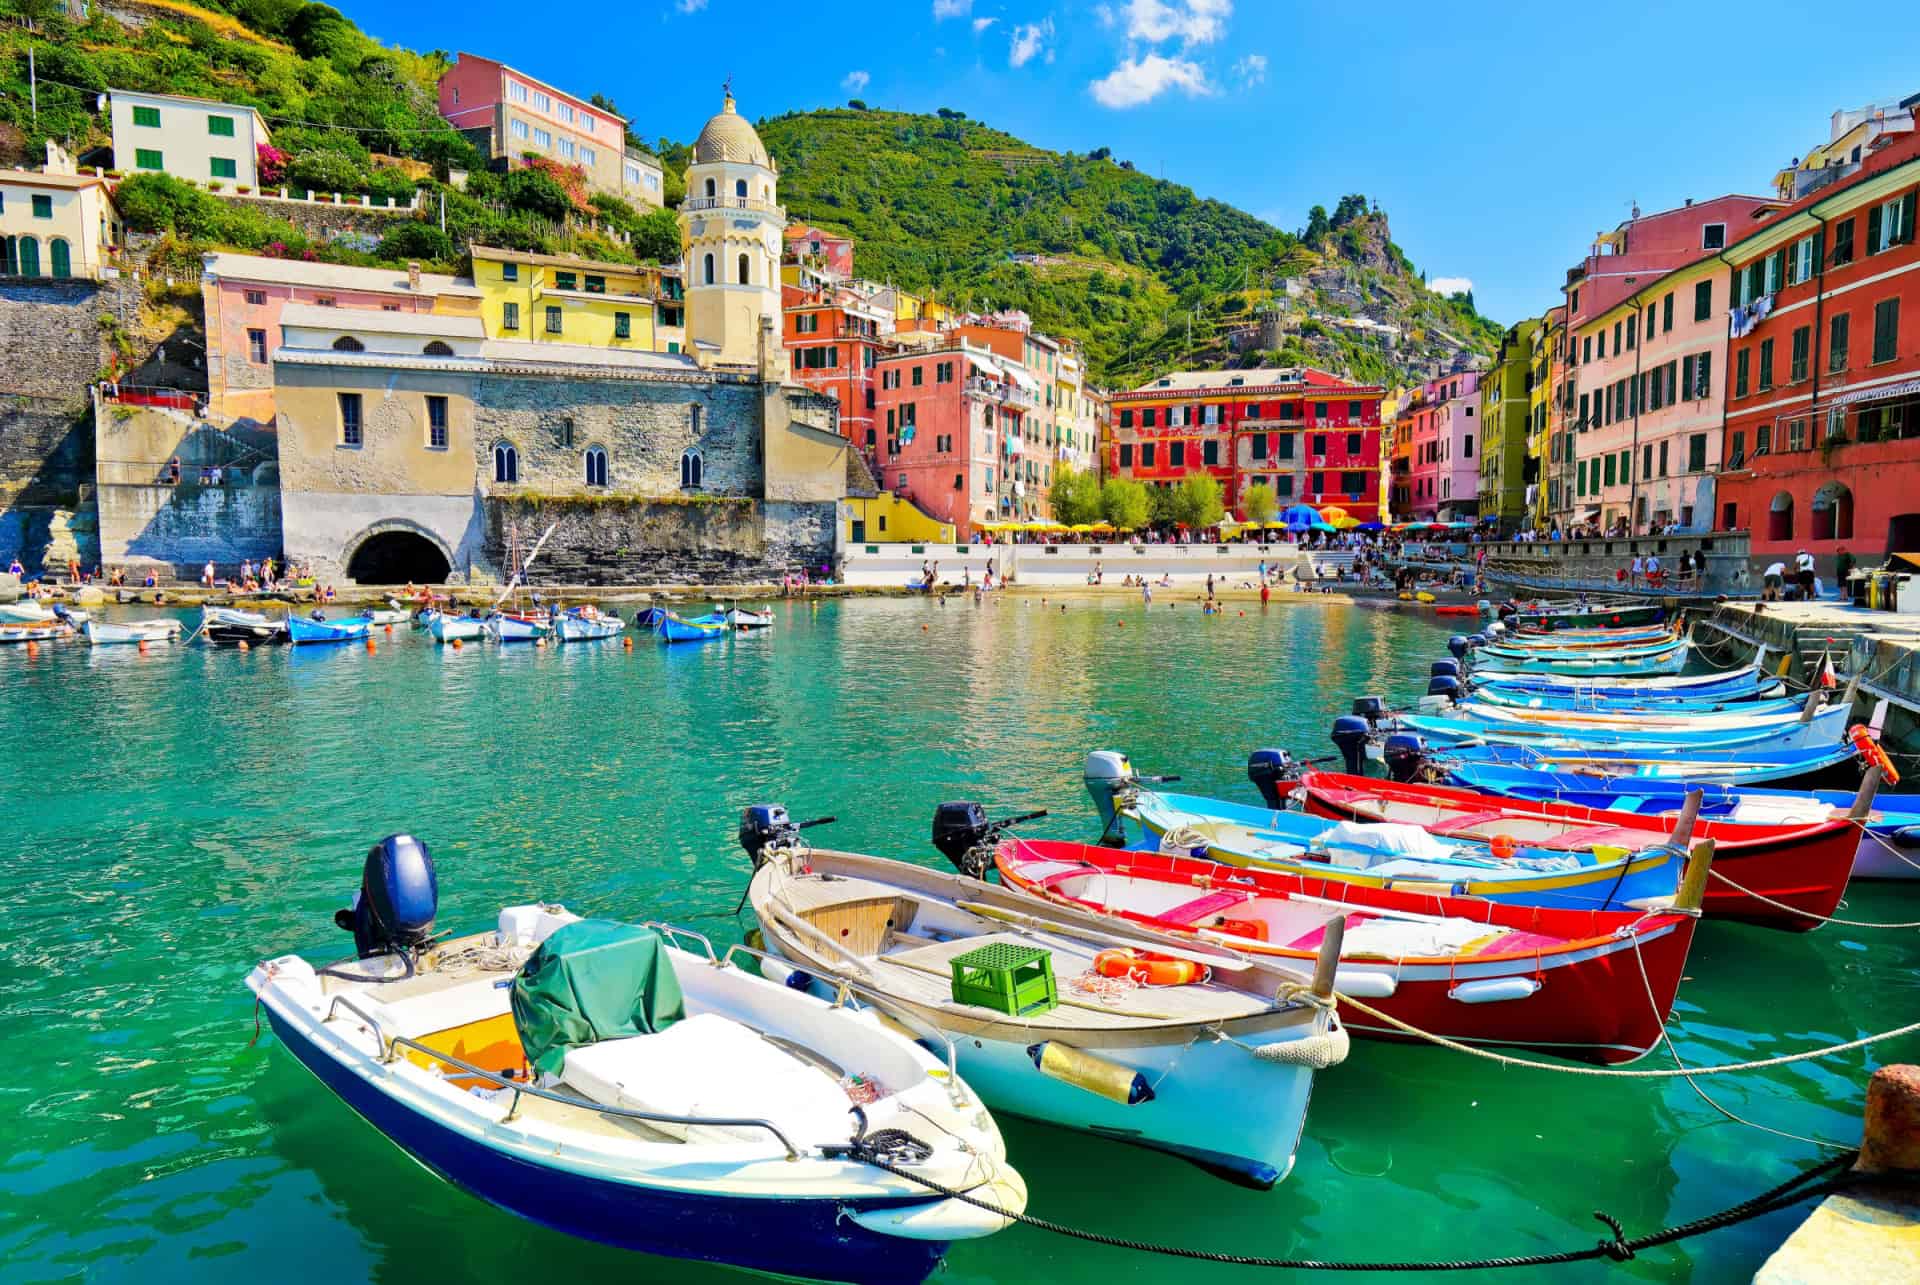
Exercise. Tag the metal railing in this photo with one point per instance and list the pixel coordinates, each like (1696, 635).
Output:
(733, 203)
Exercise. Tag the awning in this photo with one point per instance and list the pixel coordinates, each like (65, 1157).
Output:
(1905, 388)
(984, 364)
(1589, 515)
(1018, 375)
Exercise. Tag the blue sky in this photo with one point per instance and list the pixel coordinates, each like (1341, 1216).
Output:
(1499, 139)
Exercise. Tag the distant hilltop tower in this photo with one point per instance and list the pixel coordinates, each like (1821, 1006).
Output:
(730, 241)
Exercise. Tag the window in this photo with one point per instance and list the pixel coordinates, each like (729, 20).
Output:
(1804, 261)
(711, 189)
(917, 378)
(325, 301)
(1284, 485)
(1618, 330)
(1646, 459)
(1584, 411)
(1890, 224)
(1319, 443)
(257, 346)
(436, 423)
(1702, 300)
(509, 272)
(1802, 341)
(1286, 446)
(347, 343)
(509, 316)
(1696, 454)
(1354, 439)
(1126, 455)
(566, 148)
(1703, 375)
(1353, 483)
(1319, 410)
(542, 138)
(622, 325)
(740, 188)
(807, 323)
(1586, 350)
(1843, 243)
(1177, 455)
(1837, 342)
(221, 167)
(1610, 468)
(1713, 236)
(596, 466)
(1741, 366)
(518, 129)
(1796, 434)
(1666, 313)
(1466, 444)
(516, 91)
(1147, 417)
(565, 281)
(542, 102)
(349, 419)
(437, 348)
(1259, 446)
(1886, 330)
(706, 269)
(220, 126)
(587, 158)
(1146, 455)
(1353, 410)
(553, 320)
(746, 276)
(1766, 364)
(147, 116)
(1737, 447)
(692, 470)
(147, 158)
(1663, 457)
(42, 206)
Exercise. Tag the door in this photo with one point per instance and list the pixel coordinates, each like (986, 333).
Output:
(29, 251)
(62, 258)
(859, 535)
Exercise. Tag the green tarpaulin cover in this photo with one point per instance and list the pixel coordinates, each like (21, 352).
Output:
(593, 980)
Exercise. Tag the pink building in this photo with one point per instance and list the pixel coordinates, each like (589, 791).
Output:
(508, 114)
(1444, 467)
(244, 294)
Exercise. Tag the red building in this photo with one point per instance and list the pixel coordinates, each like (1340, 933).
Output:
(1311, 436)
(954, 437)
(832, 343)
(1823, 394)
(827, 252)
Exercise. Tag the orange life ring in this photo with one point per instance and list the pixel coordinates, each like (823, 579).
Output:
(1154, 970)
(1874, 753)
(1504, 846)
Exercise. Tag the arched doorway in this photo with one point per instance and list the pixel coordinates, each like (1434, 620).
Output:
(398, 557)
(1780, 517)
(1833, 512)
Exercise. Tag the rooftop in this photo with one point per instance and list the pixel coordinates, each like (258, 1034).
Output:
(378, 321)
(1291, 377)
(131, 94)
(575, 99)
(729, 137)
(338, 276)
(39, 178)
(493, 254)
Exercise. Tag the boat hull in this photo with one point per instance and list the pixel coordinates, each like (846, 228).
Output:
(582, 629)
(675, 630)
(445, 628)
(303, 632)
(790, 1237)
(510, 629)
(101, 633)
(1594, 618)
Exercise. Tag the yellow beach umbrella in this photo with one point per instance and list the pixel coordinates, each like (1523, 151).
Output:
(1332, 514)
(1343, 521)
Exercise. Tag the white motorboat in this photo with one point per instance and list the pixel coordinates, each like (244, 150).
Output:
(32, 611)
(597, 1078)
(508, 627)
(391, 614)
(229, 626)
(741, 618)
(447, 627)
(586, 624)
(101, 633)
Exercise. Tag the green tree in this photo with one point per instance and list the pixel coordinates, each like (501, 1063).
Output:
(1317, 226)
(1076, 496)
(658, 237)
(1196, 501)
(1125, 504)
(532, 192)
(416, 240)
(1259, 504)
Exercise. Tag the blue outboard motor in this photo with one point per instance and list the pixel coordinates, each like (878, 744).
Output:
(763, 826)
(1444, 685)
(1477, 640)
(1444, 669)
(1371, 708)
(1350, 733)
(1459, 646)
(1404, 753)
(1270, 771)
(399, 895)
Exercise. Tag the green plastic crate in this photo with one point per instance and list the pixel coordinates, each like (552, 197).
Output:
(1010, 979)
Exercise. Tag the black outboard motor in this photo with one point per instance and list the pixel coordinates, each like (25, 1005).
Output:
(960, 830)
(1272, 773)
(1444, 669)
(1350, 733)
(399, 895)
(1459, 646)
(1371, 708)
(763, 826)
(1405, 754)
(1444, 685)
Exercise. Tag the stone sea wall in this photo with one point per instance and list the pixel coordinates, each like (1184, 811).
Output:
(615, 541)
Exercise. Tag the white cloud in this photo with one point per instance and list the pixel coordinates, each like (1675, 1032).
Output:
(1251, 70)
(1141, 80)
(1105, 14)
(1451, 285)
(1029, 42)
(981, 24)
(855, 81)
(945, 8)
(1192, 22)
(689, 6)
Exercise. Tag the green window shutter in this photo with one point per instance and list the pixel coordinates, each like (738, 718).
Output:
(1873, 230)
(1906, 219)
(146, 158)
(147, 116)
(42, 206)
(222, 167)
(220, 126)
(1819, 251)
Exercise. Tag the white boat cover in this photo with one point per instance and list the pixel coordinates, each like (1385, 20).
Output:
(709, 1065)
(1388, 838)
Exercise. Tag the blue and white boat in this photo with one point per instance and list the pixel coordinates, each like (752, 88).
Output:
(446, 627)
(586, 624)
(1734, 685)
(596, 1079)
(1824, 729)
(508, 627)
(318, 629)
(1828, 764)
(1660, 658)
(674, 629)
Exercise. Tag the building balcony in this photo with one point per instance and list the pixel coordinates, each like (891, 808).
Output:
(695, 205)
(1008, 394)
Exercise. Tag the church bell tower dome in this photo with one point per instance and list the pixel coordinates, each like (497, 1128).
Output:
(731, 226)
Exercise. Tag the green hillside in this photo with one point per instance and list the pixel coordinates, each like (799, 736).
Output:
(1148, 275)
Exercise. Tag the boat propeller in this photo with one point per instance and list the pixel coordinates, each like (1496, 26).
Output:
(964, 835)
(1107, 773)
(767, 825)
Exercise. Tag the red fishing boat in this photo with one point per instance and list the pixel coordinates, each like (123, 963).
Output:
(1572, 982)
(1796, 873)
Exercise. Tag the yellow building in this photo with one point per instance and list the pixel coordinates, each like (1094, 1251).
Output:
(892, 519)
(55, 225)
(550, 298)
(1548, 412)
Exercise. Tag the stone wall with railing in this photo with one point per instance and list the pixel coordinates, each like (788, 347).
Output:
(1597, 564)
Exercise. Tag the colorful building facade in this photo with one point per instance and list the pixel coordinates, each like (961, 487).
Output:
(509, 115)
(1823, 403)
(55, 225)
(1441, 427)
(196, 139)
(561, 299)
(956, 435)
(1506, 419)
(1311, 436)
(833, 344)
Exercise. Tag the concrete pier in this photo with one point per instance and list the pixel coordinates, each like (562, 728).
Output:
(1871, 1233)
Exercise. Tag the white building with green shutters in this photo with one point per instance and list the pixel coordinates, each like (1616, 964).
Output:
(191, 138)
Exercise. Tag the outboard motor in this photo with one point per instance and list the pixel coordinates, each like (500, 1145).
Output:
(1444, 668)
(1271, 772)
(317, 614)
(1444, 685)
(1371, 708)
(1350, 733)
(399, 895)
(1477, 640)
(1106, 773)
(763, 826)
(1459, 646)
(960, 830)
(1405, 754)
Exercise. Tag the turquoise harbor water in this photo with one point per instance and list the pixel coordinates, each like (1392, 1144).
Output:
(173, 817)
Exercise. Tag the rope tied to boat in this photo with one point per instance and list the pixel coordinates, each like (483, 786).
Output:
(1804, 914)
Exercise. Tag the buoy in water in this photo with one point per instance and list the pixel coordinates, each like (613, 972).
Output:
(389, 628)
(143, 647)
(539, 642)
(923, 629)
(456, 644)
(33, 648)
(372, 646)
(245, 645)
(625, 642)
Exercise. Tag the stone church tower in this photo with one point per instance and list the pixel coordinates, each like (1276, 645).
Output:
(730, 242)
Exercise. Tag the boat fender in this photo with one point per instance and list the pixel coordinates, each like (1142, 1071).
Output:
(1503, 846)
(1143, 966)
(1494, 989)
(1365, 983)
(1084, 1070)
(1907, 836)
(1317, 1051)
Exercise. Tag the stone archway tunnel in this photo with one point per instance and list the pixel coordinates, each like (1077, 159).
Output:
(398, 557)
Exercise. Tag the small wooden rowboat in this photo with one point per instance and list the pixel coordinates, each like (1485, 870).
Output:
(100, 633)
(675, 629)
(446, 627)
(1763, 873)
(1595, 616)
(510, 627)
(586, 624)
(303, 630)
(1660, 659)
(229, 627)
(11, 633)
(1567, 981)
